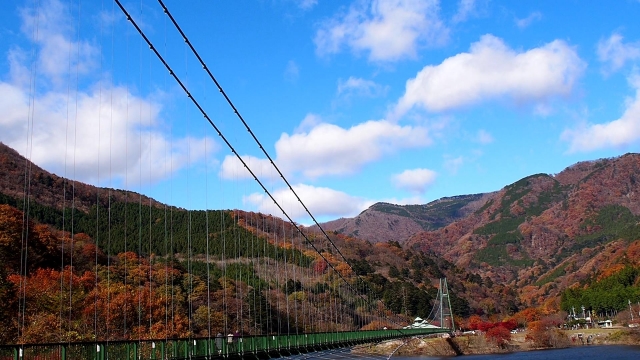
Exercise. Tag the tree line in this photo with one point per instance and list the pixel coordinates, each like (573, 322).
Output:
(607, 295)
(145, 230)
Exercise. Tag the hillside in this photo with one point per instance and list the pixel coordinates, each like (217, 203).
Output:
(116, 250)
(389, 222)
(501, 252)
(545, 233)
(52, 190)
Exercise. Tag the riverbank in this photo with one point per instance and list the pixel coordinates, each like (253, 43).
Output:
(479, 345)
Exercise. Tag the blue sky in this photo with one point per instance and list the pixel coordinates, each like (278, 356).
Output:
(356, 101)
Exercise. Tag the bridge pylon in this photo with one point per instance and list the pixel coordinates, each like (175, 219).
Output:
(446, 315)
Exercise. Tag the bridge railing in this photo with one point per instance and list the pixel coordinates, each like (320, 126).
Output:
(265, 345)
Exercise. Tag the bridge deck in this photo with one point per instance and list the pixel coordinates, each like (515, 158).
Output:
(246, 347)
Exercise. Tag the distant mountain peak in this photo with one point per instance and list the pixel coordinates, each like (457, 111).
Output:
(384, 221)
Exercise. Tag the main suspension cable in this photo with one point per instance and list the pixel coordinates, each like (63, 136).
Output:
(226, 141)
(241, 118)
(228, 144)
(235, 110)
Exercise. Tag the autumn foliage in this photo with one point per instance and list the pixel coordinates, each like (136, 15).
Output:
(71, 291)
(499, 335)
(544, 333)
(527, 316)
(92, 297)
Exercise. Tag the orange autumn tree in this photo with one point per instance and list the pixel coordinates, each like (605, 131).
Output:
(51, 300)
(544, 333)
(526, 316)
(473, 323)
(25, 242)
(24, 247)
(134, 299)
(127, 300)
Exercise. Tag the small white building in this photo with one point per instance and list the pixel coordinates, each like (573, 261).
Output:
(419, 323)
(605, 324)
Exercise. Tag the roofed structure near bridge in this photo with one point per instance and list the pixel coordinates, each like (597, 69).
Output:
(419, 323)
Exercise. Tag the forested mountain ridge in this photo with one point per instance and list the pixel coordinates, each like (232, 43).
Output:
(384, 222)
(519, 247)
(143, 249)
(52, 190)
(544, 233)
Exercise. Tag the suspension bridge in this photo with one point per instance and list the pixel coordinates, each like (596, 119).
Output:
(166, 283)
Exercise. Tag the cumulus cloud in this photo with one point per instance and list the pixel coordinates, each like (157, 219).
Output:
(491, 70)
(388, 30)
(50, 28)
(309, 122)
(615, 53)
(232, 168)
(525, 22)
(332, 150)
(328, 149)
(103, 129)
(320, 201)
(414, 180)
(99, 138)
(359, 87)
(614, 134)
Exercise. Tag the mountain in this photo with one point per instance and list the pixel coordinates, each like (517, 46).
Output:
(545, 233)
(122, 245)
(72, 206)
(501, 252)
(389, 222)
(52, 190)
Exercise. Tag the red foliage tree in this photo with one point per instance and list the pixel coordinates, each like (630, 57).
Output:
(320, 266)
(485, 326)
(510, 324)
(499, 335)
(52, 299)
(474, 322)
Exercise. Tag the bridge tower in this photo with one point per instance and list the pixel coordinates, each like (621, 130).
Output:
(446, 315)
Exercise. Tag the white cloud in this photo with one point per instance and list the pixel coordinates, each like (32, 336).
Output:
(309, 122)
(51, 29)
(483, 137)
(232, 168)
(414, 180)
(321, 202)
(616, 53)
(123, 145)
(614, 134)
(525, 22)
(359, 87)
(388, 30)
(328, 149)
(465, 9)
(103, 130)
(491, 70)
